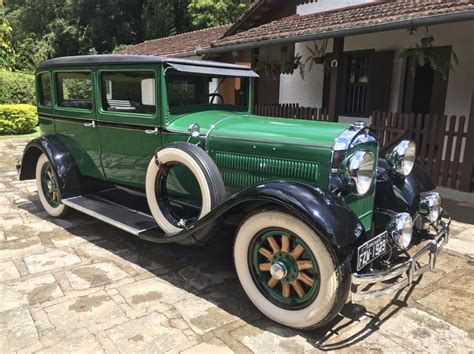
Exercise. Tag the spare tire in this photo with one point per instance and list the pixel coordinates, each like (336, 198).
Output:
(201, 166)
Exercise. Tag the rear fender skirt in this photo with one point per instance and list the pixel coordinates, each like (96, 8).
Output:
(336, 224)
(69, 178)
(398, 193)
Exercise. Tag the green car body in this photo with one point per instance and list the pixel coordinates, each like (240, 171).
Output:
(139, 142)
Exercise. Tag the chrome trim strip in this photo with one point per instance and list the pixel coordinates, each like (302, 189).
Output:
(209, 131)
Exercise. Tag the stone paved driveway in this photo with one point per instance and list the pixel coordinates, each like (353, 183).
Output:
(80, 285)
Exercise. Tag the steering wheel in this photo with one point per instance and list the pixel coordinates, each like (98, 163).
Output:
(214, 95)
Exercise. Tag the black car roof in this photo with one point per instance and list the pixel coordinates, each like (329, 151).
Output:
(90, 60)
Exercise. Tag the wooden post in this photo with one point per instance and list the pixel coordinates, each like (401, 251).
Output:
(468, 163)
(335, 87)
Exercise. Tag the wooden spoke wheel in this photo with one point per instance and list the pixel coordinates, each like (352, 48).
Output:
(284, 268)
(49, 191)
(288, 271)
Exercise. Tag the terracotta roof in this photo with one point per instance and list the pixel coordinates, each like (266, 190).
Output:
(180, 45)
(362, 16)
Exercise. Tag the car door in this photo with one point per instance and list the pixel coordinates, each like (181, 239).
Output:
(75, 118)
(128, 122)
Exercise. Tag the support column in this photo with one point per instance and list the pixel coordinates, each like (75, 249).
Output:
(468, 162)
(335, 93)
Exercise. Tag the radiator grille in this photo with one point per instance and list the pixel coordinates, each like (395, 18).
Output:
(240, 171)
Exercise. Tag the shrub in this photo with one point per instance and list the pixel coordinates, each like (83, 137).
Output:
(17, 88)
(18, 119)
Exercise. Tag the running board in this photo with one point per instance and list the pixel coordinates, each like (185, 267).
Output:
(126, 219)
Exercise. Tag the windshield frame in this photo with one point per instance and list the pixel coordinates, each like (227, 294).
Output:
(171, 114)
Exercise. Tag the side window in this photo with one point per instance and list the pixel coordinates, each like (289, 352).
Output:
(44, 90)
(74, 90)
(128, 92)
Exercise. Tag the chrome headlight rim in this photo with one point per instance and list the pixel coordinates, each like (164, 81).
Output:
(400, 230)
(430, 206)
(358, 171)
(402, 157)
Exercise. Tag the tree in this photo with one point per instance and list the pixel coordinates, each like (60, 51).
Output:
(7, 53)
(210, 13)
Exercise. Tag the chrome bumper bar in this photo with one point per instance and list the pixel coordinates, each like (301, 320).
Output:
(409, 269)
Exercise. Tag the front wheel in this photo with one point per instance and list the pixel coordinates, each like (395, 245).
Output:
(48, 188)
(288, 272)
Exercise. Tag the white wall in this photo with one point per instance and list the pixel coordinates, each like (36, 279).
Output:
(326, 5)
(309, 92)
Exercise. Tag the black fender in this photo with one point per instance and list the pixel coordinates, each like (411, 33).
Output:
(67, 172)
(397, 194)
(334, 222)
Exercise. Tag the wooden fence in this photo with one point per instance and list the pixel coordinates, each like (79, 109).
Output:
(442, 144)
(291, 111)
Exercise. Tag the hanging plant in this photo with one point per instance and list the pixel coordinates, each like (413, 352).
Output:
(266, 64)
(293, 63)
(426, 54)
(317, 54)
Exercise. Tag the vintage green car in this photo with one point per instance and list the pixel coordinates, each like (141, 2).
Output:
(168, 150)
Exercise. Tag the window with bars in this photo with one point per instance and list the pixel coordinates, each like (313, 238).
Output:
(357, 85)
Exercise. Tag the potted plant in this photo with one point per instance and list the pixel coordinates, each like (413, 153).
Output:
(293, 63)
(266, 64)
(317, 53)
(425, 53)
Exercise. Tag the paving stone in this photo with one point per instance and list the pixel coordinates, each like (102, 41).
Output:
(455, 306)
(28, 292)
(152, 294)
(421, 330)
(87, 345)
(195, 276)
(94, 275)
(8, 271)
(84, 312)
(203, 316)
(50, 260)
(273, 339)
(17, 330)
(215, 346)
(147, 334)
(463, 242)
(18, 248)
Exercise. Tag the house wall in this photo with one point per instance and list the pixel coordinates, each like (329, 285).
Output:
(309, 92)
(326, 5)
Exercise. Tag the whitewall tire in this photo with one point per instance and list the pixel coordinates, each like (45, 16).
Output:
(201, 166)
(48, 188)
(303, 299)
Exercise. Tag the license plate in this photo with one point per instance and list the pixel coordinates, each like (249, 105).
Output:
(371, 250)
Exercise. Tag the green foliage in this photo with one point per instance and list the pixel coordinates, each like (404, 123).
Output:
(18, 119)
(7, 54)
(17, 88)
(427, 54)
(209, 13)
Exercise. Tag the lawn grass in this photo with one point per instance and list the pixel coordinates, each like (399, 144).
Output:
(35, 134)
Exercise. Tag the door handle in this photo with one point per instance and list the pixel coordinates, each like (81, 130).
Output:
(91, 124)
(152, 132)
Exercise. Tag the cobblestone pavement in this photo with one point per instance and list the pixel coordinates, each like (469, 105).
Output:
(80, 285)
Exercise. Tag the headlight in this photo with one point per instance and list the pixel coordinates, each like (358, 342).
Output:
(358, 171)
(402, 157)
(430, 206)
(400, 230)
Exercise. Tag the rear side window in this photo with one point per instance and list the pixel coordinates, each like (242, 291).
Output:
(132, 92)
(44, 90)
(74, 90)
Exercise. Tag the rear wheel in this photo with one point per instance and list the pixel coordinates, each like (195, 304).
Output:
(48, 188)
(287, 270)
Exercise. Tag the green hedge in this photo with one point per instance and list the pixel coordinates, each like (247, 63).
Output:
(17, 88)
(18, 119)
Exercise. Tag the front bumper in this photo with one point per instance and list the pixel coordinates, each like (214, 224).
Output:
(362, 284)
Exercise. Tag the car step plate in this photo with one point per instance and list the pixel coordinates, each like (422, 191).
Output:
(129, 220)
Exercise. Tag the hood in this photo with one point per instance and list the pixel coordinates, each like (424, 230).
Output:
(244, 126)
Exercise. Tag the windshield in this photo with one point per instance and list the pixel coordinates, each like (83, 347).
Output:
(197, 92)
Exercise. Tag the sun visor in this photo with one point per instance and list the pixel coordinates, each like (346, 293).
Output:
(208, 70)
